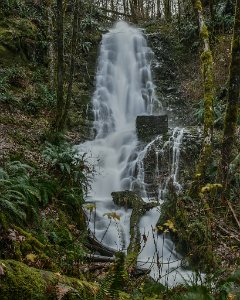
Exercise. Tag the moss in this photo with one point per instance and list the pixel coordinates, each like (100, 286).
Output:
(198, 5)
(127, 199)
(209, 93)
(17, 250)
(5, 54)
(204, 32)
(22, 282)
(18, 38)
(135, 237)
(201, 166)
(10, 39)
(31, 240)
(3, 221)
(29, 244)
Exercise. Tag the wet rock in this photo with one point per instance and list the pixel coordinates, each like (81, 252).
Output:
(129, 199)
(159, 159)
(150, 126)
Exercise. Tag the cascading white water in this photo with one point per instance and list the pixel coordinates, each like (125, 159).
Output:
(174, 143)
(124, 90)
(124, 87)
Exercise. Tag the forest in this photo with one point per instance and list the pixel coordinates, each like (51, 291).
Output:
(120, 149)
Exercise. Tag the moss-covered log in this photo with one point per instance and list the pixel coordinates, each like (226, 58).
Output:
(18, 281)
(129, 199)
(231, 115)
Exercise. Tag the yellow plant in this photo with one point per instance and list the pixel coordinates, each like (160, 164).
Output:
(113, 215)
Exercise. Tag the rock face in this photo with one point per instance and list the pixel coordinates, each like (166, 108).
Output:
(150, 126)
(169, 79)
(158, 161)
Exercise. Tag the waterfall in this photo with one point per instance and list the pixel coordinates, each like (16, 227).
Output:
(174, 144)
(124, 90)
(124, 87)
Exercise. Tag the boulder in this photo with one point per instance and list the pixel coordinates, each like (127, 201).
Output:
(129, 199)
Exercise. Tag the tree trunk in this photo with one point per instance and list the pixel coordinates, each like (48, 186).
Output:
(231, 115)
(167, 10)
(158, 10)
(51, 65)
(60, 96)
(211, 7)
(209, 93)
(63, 120)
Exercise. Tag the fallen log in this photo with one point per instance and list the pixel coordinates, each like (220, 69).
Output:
(137, 271)
(93, 244)
(104, 254)
(99, 258)
(129, 199)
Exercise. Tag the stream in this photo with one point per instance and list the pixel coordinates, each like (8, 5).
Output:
(125, 90)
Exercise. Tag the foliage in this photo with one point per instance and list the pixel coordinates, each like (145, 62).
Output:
(224, 16)
(19, 198)
(31, 283)
(21, 8)
(57, 228)
(219, 110)
(40, 98)
(23, 190)
(195, 293)
(115, 280)
(72, 175)
(22, 89)
(188, 32)
(68, 165)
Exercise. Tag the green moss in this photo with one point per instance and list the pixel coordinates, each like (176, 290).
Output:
(198, 5)
(10, 39)
(22, 282)
(3, 221)
(5, 54)
(30, 239)
(209, 93)
(29, 244)
(204, 32)
(17, 38)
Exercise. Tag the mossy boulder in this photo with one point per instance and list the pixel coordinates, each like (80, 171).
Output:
(129, 199)
(18, 281)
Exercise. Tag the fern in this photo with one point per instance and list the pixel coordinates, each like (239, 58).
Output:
(115, 280)
(68, 166)
(19, 198)
(195, 293)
